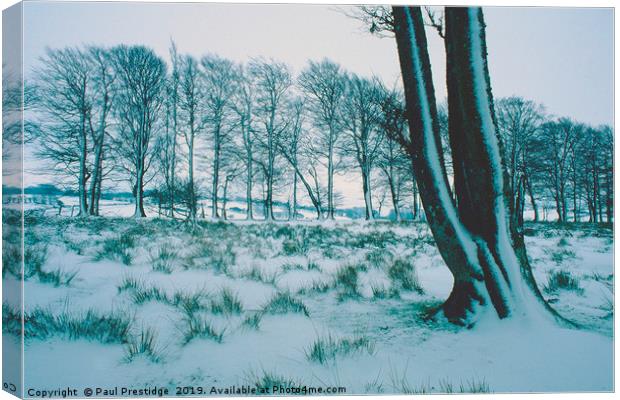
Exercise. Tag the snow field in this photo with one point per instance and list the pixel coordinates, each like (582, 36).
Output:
(340, 304)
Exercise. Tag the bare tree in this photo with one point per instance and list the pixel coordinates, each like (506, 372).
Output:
(220, 77)
(392, 159)
(595, 170)
(272, 80)
(607, 156)
(191, 107)
(296, 149)
(167, 142)
(99, 119)
(63, 84)
(243, 106)
(559, 139)
(141, 78)
(519, 121)
(172, 128)
(361, 118)
(323, 83)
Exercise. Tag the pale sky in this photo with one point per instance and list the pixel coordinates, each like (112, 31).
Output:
(560, 57)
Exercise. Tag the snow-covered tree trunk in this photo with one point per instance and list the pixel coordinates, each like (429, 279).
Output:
(474, 240)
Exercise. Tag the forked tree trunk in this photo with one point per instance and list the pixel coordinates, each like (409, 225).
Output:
(475, 239)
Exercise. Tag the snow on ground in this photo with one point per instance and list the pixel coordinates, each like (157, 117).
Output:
(203, 294)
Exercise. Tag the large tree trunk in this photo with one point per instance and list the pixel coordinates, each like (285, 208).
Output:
(475, 240)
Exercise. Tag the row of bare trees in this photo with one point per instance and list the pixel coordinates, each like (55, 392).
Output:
(556, 163)
(122, 114)
(258, 132)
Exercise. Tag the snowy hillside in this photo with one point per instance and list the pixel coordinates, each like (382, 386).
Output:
(158, 302)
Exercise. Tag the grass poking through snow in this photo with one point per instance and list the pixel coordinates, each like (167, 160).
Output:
(198, 327)
(327, 348)
(91, 325)
(562, 280)
(163, 259)
(226, 302)
(346, 281)
(118, 248)
(283, 303)
(404, 276)
(271, 380)
(143, 345)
